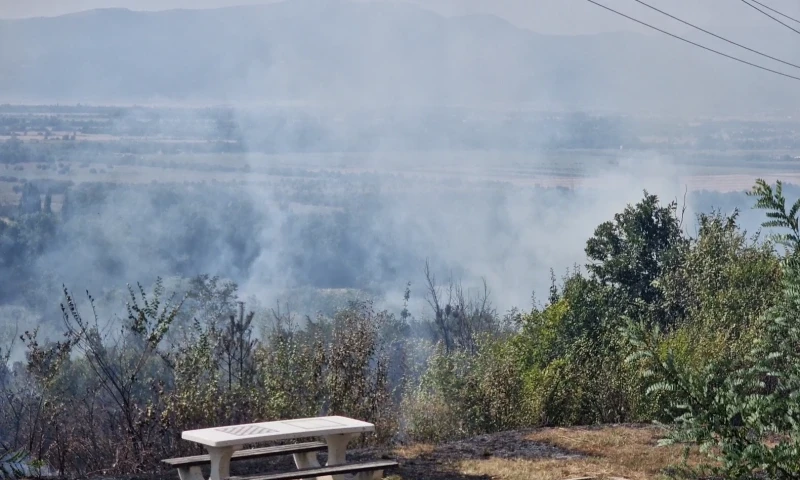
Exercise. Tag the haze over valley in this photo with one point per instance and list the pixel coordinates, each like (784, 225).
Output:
(294, 97)
(466, 190)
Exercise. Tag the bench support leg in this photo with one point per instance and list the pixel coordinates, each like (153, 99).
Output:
(337, 452)
(306, 460)
(191, 473)
(220, 461)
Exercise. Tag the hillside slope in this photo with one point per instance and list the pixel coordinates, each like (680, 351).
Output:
(611, 451)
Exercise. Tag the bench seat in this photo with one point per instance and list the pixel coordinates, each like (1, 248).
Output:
(367, 470)
(197, 460)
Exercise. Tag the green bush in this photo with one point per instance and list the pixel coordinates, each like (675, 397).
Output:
(463, 394)
(742, 409)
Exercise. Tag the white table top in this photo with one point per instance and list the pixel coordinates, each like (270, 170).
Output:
(227, 436)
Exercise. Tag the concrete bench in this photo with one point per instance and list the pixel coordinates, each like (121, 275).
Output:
(363, 471)
(223, 443)
(189, 467)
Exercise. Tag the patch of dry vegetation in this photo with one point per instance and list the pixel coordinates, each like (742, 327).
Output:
(624, 451)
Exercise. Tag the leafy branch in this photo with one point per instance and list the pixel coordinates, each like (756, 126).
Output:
(774, 202)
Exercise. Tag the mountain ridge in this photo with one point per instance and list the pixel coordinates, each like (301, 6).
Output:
(345, 53)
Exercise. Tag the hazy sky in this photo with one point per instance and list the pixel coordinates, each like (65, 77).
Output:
(545, 16)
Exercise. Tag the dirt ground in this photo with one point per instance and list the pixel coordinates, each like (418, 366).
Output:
(628, 452)
(608, 452)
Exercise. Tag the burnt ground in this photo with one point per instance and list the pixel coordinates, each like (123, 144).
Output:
(608, 451)
(439, 462)
(419, 462)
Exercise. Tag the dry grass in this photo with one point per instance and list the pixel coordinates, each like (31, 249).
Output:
(413, 451)
(628, 452)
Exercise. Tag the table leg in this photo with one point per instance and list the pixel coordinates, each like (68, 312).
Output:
(306, 460)
(220, 462)
(191, 473)
(337, 452)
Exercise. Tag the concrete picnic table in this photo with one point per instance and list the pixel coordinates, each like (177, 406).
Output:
(222, 442)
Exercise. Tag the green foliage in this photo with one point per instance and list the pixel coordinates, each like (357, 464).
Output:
(744, 414)
(195, 398)
(588, 385)
(721, 291)
(542, 334)
(774, 202)
(704, 297)
(707, 326)
(632, 251)
(291, 370)
(332, 366)
(462, 394)
(743, 410)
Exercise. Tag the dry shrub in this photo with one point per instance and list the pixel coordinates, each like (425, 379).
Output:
(357, 370)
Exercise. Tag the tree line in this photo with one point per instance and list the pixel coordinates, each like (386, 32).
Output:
(697, 332)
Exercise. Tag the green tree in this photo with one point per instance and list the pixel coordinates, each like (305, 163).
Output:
(631, 252)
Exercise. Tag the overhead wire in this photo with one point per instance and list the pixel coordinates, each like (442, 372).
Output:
(695, 43)
(770, 16)
(717, 36)
(779, 13)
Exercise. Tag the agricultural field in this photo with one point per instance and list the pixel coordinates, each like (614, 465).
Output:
(307, 162)
(136, 145)
(365, 181)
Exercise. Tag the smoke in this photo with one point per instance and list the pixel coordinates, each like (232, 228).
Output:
(375, 136)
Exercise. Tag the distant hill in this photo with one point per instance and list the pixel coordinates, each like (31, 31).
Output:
(314, 52)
